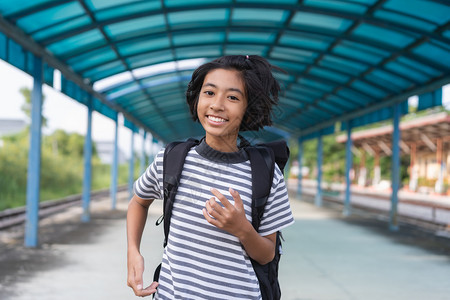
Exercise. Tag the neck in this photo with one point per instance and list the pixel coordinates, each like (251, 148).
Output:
(222, 143)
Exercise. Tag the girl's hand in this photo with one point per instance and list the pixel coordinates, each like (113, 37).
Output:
(230, 218)
(135, 272)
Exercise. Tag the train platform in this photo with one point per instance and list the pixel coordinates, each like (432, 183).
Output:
(326, 256)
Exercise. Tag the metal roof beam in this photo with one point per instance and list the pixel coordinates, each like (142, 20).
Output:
(294, 8)
(29, 44)
(119, 56)
(430, 86)
(35, 9)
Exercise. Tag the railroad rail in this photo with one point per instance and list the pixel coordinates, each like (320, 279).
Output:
(16, 216)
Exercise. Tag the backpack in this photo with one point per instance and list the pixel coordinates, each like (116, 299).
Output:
(262, 159)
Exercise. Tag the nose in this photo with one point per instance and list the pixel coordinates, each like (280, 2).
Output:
(217, 104)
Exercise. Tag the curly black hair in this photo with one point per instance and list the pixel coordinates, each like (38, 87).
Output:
(261, 87)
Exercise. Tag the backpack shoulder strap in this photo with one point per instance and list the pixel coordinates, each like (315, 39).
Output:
(262, 161)
(174, 157)
(281, 152)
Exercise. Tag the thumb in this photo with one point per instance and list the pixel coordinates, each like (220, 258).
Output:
(138, 279)
(237, 198)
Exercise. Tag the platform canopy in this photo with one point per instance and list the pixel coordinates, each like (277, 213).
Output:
(422, 131)
(343, 59)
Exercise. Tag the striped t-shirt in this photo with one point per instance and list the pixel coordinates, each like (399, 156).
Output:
(200, 260)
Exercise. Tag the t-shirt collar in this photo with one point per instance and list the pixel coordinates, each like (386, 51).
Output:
(207, 152)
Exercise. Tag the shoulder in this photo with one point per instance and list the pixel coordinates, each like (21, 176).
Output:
(277, 174)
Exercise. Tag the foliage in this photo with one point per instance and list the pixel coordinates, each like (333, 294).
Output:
(62, 168)
(334, 160)
(333, 157)
(26, 107)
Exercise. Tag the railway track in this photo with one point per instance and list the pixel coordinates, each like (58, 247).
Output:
(17, 216)
(431, 216)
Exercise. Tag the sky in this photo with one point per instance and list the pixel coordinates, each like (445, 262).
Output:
(65, 113)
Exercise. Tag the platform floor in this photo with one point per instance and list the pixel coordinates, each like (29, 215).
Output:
(325, 257)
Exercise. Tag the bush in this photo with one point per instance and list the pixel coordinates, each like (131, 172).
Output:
(62, 168)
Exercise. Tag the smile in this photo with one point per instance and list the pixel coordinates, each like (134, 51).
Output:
(216, 119)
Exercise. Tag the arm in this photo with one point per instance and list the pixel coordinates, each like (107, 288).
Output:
(136, 217)
(231, 218)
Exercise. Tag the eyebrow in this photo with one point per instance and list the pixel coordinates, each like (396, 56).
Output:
(230, 89)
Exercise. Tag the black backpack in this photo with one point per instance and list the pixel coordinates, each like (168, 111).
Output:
(262, 159)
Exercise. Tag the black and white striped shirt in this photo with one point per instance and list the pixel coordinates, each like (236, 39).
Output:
(201, 261)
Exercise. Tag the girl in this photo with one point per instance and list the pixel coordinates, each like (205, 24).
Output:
(211, 236)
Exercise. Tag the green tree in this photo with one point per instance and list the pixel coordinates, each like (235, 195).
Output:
(26, 107)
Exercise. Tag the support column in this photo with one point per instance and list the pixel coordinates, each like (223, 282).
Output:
(318, 198)
(393, 222)
(376, 169)
(114, 166)
(413, 169)
(143, 154)
(348, 167)
(131, 174)
(439, 186)
(34, 158)
(300, 166)
(87, 180)
(362, 169)
(153, 153)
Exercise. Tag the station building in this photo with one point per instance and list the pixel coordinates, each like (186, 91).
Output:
(425, 139)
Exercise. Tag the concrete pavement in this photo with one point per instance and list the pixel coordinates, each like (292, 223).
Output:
(325, 257)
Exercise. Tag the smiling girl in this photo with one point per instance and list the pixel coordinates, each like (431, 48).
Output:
(211, 238)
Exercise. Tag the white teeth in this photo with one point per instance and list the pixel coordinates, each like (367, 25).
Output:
(216, 119)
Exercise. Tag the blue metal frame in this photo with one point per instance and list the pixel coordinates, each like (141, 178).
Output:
(348, 167)
(393, 222)
(143, 154)
(114, 166)
(300, 165)
(87, 180)
(318, 198)
(34, 158)
(131, 173)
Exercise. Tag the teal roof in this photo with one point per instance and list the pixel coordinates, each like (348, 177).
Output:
(344, 59)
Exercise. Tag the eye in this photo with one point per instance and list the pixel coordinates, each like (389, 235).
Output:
(209, 93)
(234, 98)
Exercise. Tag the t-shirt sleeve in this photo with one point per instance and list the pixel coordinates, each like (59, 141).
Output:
(277, 213)
(149, 184)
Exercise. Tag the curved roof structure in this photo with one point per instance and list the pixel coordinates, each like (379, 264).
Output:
(343, 58)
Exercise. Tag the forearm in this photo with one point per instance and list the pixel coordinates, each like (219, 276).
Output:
(136, 218)
(259, 248)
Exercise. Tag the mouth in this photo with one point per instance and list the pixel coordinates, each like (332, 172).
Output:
(216, 119)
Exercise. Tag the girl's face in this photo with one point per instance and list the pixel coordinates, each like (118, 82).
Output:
(221, 107)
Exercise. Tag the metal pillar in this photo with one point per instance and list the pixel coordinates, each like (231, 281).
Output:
(114, 167)
(439, 186)
(348, 167)
(318, 198)
(143, 155)
(376, 169)
(300, 165)
(131, 174)
(362, 169)
(87, 180)
(413, 171)
(393, 222)
(152, 151)
(34, 158)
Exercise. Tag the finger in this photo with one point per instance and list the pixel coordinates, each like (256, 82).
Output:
(151, 289)
(221, 198)
(209, 218)
(214, 208)
(138, 279)
(135, 281)
(237, 198)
